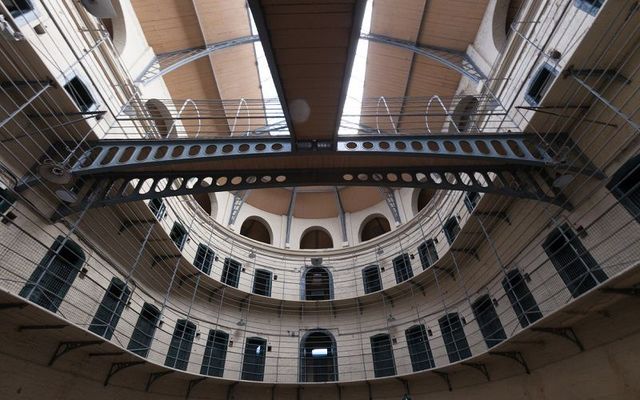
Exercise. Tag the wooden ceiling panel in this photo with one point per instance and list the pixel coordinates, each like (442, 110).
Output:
(315, 205)
(452, 24)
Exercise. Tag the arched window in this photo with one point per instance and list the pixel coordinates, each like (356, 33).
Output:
(161, 118)
(488, 320)
(374, 227)
(179, 235)
(256, 229)
(215, 353)
(316, 238)
(625, 186)
(144, 330)
(318, 284)
(451, 229)
(371, 279)
(419, 348)
(575, 265)
(262, 282)
(180, 346)
(521, 299)
(255, 354)
(402, 268)
(318, 357)
(454, 338)
(204, 258)
(428, 253)
(110, 309)
(463, 117)
(424, 197)
(204, 201)
(52, 278)
(513, 10)
(231, 272)
(382, 354)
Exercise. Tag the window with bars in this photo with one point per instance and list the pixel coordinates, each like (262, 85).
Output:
(575, 265)
(540, 84)
(178, 235)
(158, 208)
(204, 258)
(255, 354)
(471, 200)
(590, 6)
(110, 309)
(231, 272)
(402, 268)
(318, 284)
(451, 229)
(625, 186)
(454, 338)
(18, 7)
(419, 348)
(371, 279)
(488, 320)
(215, 353)
(80, 94)
(180, 346)
(427, 253)
(50, 281)
(382, 353)
(144, 330)
(521, 299)
(262, 282)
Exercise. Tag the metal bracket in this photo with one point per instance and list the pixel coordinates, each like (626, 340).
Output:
(387, 298)
(497, 214)
(566, 333)
(158, 259)
(65, 347)
(419, 287)
(470, 251)
(515, 356)
(154, 376)
(480, 367)
(7, 306)
(233, 385)
(445, 377)
(449, 271)
(126, 225)
(597, 73)
(359, 304)
(117, 367)
(628, 291)
(109, 354)
(192, 384)
(40, 327)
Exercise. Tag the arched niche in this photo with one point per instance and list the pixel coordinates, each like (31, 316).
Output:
(462, 119)
(316, 283)
(204, 201)
(257, 229)
(318, 357)
(504, 15)
(160, 118)
(374, 226)
(316, 238)
(116, 28)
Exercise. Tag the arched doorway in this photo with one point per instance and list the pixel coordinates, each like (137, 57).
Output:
(462, 119)
(256, 229)
(318, 357)
(423, 198)
(316, 238)
(373, 227)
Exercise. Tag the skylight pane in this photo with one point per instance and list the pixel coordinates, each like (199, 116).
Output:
(353, 103)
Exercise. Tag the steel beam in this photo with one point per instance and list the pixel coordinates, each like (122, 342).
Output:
(114, 188)
(453, 59)
(126, 155)
(238, 201)
(164, 63)
(390, 198)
